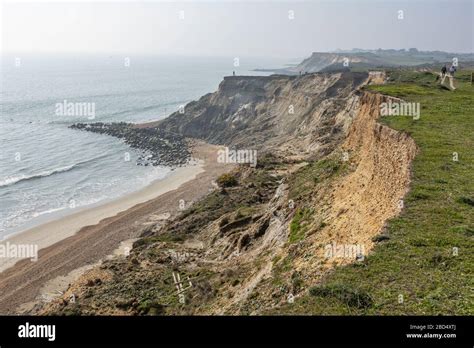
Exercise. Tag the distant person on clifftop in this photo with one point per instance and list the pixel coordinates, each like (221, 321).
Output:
(450, 76)
(233, 73)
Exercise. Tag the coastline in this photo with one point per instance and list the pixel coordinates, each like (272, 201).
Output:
(61, 227)
(84, 238)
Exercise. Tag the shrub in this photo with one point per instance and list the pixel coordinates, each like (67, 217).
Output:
(349, 296)
(298, 225)
(227, 180)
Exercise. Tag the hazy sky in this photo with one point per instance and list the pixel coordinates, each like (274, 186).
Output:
(238, 28)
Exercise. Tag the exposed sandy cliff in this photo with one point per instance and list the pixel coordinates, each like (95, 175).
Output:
(332, 176)
(288, 114)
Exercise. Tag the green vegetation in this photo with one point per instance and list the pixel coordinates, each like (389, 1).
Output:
(244, 199)
(280, 269)
(426, 266)
(299, 225)
(302, 184)
(227, 180)
(245, 212)
(422, 264)
(349, 296)
(302, 188)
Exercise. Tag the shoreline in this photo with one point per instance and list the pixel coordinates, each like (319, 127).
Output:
(67, 225)
(57, 214)
(87, 237)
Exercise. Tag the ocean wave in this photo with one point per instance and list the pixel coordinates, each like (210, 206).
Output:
(15, 179)
(11, 180)
(49, 211)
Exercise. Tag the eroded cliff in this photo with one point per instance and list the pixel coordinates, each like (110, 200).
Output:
(286, 114)
(329, 177)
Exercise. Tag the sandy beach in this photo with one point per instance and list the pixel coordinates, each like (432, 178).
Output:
(84, 238)
(54, 231)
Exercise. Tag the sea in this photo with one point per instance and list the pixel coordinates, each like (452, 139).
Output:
(49, 170)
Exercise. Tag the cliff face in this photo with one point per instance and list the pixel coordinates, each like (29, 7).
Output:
(319, 61)
(363, 60)
(330, 61)
(253, 247)
(373, 193)
(355, 206)
(291, 115)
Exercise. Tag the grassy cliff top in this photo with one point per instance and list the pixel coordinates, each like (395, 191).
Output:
(426, 265)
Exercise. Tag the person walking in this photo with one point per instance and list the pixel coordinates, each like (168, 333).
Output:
(442, 75)
(452, 70)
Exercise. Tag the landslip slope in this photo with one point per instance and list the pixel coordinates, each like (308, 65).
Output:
(328, 178)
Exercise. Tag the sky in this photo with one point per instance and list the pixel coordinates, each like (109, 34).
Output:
(234, 28)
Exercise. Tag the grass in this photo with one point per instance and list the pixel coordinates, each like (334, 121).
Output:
(306, 179)
(302, 187)
(280, 269)
(349, 296)
(427, 265)
(299, 224)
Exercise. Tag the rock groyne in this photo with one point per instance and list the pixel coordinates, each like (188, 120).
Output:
(156, 146)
